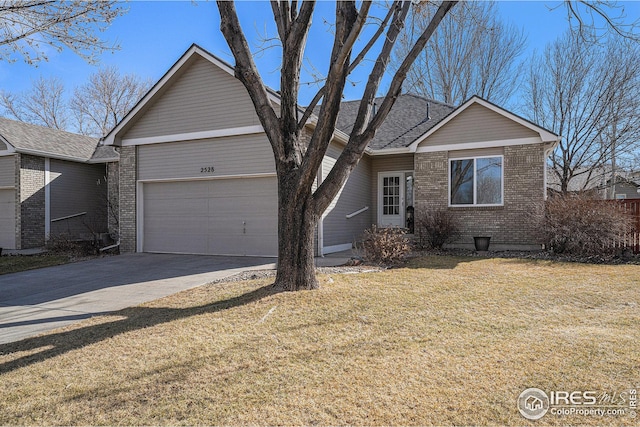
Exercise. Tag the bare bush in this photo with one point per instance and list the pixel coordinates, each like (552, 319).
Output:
(385, 245)
(581, 226)
(437, 227)
(65, 244)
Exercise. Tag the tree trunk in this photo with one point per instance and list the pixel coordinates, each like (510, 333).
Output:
(296, 225)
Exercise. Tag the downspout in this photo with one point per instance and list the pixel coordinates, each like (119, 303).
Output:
(547, 153)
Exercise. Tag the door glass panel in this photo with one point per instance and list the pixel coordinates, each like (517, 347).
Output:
(391, 192)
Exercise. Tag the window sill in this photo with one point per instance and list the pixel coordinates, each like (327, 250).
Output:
(477, 207)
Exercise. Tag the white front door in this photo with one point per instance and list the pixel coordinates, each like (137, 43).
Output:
(391, 202)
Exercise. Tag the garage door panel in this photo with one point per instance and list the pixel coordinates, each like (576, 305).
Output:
(7, 219)
(179, 208)
(234, 216)
(181, 242)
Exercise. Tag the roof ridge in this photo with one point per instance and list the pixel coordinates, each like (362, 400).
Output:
(415, 95)
(46, 128)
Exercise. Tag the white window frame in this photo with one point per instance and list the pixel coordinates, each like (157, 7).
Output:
(475, 195)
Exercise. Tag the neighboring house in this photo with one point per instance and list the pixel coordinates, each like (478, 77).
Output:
(624, 187)
(197, 173)
(52, 183)
(585, 181)
(597, 183)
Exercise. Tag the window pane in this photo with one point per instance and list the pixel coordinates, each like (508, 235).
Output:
(462, 182)
(489, 181)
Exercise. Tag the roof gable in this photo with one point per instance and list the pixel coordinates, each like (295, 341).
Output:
(478, 120)
(191, 66)
(201, 97)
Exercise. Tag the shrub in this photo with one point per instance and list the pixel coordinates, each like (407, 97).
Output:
(64, 244)
(581, 226)
(385, 245)
(437, 227)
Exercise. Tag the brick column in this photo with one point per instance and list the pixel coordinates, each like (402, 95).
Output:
(127, 192)
(32, 202)
(113, 199)
(431, 183)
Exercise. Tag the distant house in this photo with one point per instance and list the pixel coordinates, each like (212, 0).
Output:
(51, 183)
(597, 183)
(197, 173)
(624, 187)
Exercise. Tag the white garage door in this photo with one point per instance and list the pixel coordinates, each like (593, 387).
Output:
(7, 219)
(218, 217)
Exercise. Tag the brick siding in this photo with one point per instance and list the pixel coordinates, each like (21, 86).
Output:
(509, 226)
(18, 210)
(113, 199)
(127, 194)
(32, 202)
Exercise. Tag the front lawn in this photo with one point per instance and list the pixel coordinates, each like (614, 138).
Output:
(444, 341)
(16, 263)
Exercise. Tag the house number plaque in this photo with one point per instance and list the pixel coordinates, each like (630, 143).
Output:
(207, 169)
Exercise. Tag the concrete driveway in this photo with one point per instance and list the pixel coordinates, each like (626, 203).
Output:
(36, 301)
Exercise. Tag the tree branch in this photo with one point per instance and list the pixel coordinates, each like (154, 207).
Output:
(361, 133)
(246, 71)
(354, 64)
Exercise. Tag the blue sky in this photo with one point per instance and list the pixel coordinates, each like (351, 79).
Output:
(154, 34)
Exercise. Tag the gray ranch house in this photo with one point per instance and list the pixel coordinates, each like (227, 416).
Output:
(52, 183)
(197, 175)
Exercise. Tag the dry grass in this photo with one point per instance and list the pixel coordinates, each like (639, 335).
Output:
(445, 341)
(16, 263)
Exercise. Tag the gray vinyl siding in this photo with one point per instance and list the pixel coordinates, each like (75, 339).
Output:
(354, 196)
(7, 202)
(202, 97)
(3, 146)
(7, 219)
(477, 124)
(237, 155)
(77, 188)
(399, 162)
(628, 190)
(7, 171)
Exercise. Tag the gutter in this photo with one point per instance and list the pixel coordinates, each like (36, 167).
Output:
(52, 155)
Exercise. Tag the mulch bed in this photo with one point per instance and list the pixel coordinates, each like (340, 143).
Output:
(625, 257)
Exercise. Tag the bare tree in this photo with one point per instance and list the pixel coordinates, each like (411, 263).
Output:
(471, 53)
(94, 108)
(43, 104)
(297, 158)
(28, 26)
(590, 94)
(296, 162)
(105, 99)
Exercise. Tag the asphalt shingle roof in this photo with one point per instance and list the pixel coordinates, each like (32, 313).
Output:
(34, 138)
(406, 122)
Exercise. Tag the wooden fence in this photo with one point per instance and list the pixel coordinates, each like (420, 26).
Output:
(631, 239)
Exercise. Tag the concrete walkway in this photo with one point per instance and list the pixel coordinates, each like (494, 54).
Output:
(36, 301)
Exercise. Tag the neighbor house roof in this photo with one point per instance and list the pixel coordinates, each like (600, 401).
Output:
(37, 140)
(584, 179)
